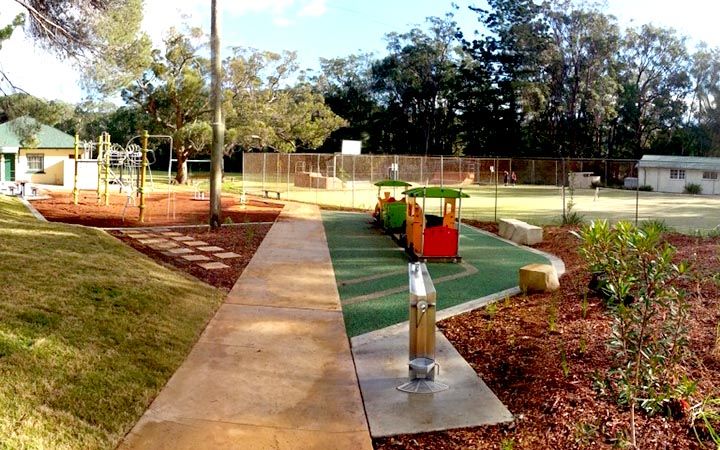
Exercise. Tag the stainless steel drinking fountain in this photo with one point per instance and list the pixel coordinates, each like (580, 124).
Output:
(422, 366)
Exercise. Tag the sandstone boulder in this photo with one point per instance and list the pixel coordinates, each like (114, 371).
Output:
(538, 278)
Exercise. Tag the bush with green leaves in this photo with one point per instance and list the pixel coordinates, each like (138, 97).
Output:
(649, 313)
(693, 188)
(645, 188)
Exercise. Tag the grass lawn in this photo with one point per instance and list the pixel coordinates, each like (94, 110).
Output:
(90, 331)
(371, 271)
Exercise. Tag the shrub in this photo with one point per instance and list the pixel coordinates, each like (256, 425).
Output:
(659, 224)
(693, 189)
(645, 188)
(649, 334)
(573, 218)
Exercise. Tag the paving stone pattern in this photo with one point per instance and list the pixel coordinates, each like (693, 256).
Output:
(226, 255)
(178, 245)
(211, 248)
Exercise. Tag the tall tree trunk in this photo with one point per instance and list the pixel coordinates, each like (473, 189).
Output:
(181, 176)
(218, 126)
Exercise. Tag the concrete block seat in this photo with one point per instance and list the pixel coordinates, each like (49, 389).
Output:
(520, 232)
(538, 278)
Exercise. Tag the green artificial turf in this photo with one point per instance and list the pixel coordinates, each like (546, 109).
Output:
(359, 250)
(90, 331)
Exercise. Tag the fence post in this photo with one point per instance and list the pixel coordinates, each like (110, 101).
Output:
(289, 161)
(563, 190)
(496, 187)
(606, 177)
(263, 170)
(637, 192)
(532, 172)
(353, 180)
(317, 182)
(442, 171)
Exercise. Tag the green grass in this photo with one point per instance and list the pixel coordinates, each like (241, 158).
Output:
(358, 250)
(90, 331)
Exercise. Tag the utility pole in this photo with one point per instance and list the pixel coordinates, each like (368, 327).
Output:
(218, 125)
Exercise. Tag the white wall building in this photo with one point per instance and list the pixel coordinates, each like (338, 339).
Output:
(673, 173)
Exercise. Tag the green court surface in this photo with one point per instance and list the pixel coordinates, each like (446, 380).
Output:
(371, 271)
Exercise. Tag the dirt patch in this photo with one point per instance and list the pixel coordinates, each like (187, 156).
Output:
(545, 375)
(159, 210)
(242, 235)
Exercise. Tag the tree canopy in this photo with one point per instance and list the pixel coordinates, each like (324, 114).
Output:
(554, 79)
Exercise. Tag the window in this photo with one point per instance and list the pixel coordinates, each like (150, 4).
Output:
(35, 162)
(677, 174)
(710, 175)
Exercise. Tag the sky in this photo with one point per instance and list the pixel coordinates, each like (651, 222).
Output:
(315, 29)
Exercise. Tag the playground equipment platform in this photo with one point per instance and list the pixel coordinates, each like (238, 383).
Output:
(273, 368)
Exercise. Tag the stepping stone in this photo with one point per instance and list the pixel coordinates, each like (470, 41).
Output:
(196, 257)
(211, 248)
(226, 255)
(171, 233)
(183, 238)
(181, 251)
(142, 236)
(131, 231)
(164, 246)
(161, 230)
(213, 265)
(152, 241)
(195, 243)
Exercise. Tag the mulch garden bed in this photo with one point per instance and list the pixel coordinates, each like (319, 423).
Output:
(159, 210)
(240, 239)
(545, 374)
(242, 234)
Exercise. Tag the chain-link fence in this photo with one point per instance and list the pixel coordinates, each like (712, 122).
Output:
(537, 190)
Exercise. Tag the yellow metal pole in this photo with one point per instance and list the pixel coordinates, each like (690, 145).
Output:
(100, 157)
(143, 168)
(75, 180)
(107, 168)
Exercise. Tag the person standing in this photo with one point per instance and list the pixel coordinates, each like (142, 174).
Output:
(513, 178)
(505, 178)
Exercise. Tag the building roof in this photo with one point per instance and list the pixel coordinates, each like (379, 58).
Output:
(679, 162)
(47, 137)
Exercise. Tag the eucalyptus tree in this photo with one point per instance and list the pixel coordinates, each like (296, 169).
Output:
(656, 84)
(704, 112)
(580, 90)
(174, 93)
(505, 85)
(102, 35)
(270, 103)
(346, 84)
(415, 85)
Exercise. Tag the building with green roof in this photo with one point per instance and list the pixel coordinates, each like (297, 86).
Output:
(36, 153)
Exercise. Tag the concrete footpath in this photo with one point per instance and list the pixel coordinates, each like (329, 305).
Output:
(273, 369)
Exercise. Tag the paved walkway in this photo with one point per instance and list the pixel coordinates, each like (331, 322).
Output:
(273, 369)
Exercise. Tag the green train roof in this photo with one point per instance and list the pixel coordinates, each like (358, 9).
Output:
(392, 183)
(435, 192)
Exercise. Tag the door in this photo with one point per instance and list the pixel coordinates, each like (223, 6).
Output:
(9, 172)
